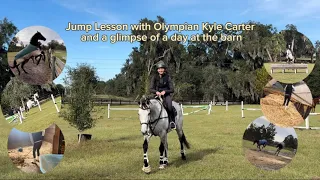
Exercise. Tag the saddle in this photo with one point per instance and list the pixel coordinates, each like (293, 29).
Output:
(166, 109)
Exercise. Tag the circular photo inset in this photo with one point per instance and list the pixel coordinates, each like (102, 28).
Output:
(268, 146)
(36, 152)
(30, 106)
(286, 105)
(291, 57)
(37, 55)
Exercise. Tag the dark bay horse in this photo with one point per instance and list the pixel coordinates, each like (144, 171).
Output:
(261, 142)
(279, 147)
(315, 101)
(33, 46)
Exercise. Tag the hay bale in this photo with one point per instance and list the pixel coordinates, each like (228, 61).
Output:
(273, 109)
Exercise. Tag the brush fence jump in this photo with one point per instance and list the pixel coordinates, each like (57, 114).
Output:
(307, 123)
(202, 109)
(247, 109)
(289, 66)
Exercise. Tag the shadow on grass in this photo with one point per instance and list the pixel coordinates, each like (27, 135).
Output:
(194, 156)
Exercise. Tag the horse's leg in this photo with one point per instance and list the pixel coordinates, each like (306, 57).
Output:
(161, 150)
(15, 65)
(146, 168)
(164, 141)
(182, 139)
(22, 65)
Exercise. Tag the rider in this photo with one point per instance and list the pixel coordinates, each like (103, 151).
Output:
(161, 84)
(289, 88)
(289, 55)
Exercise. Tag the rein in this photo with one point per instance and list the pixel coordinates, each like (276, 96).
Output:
(150, 123)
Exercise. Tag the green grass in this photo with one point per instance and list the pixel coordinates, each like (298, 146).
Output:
(62, 55)
(289, 76)
(115, 151)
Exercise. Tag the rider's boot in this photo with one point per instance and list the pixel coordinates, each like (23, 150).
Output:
(171, 119)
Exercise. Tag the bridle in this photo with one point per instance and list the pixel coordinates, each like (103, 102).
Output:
(155, 122)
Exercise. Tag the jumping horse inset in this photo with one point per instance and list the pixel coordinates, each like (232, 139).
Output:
(28, 51)
(154, 122)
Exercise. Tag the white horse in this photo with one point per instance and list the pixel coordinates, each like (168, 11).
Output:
(154, 122)
(30, 104)
(289, 56)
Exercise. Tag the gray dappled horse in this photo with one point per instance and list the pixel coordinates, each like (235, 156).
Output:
(154, 122)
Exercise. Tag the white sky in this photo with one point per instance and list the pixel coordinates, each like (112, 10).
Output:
(281, 132)
(25, 35)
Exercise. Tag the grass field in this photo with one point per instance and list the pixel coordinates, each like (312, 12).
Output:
(62, 55)
(115, 152)
(289, 76)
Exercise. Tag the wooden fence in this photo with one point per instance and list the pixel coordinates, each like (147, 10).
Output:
(105, 102)
(55, 64)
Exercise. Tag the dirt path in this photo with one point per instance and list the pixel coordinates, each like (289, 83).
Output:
(37, 74)
(24, 160)
(267, 160)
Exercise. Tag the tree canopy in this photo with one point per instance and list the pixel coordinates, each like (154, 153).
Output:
(220, 70)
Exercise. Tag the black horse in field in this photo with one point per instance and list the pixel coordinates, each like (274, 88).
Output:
(261, 142)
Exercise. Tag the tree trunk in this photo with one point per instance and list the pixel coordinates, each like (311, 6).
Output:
(22, 103)
(269, 55)
(292, 44)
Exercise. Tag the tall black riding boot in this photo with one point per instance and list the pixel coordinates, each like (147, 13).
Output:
(172, 123)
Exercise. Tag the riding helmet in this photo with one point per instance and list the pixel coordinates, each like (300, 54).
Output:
(161, 64)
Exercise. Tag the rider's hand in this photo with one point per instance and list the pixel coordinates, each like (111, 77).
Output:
(163, 92)
(158, 93)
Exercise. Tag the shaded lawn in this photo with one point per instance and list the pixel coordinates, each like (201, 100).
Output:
(116, 149)
(289, 76)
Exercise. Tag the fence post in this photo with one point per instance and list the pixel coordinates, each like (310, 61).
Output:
(53, 67)
(108, 111)
(120, 101)
(242, 113)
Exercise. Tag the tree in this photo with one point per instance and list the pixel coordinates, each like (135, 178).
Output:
(15, 93)
(7, 30)
(81, 82)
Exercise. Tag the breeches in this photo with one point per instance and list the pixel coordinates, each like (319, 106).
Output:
(36, 147)
(168, 101)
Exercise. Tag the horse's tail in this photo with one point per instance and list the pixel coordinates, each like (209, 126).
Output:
(184, 141)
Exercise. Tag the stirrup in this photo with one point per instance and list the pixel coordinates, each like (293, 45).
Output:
(174, 124)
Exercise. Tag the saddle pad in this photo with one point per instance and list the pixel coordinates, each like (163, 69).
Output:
(25, 51)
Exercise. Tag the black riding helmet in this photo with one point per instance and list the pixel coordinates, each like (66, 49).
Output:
(161, 64)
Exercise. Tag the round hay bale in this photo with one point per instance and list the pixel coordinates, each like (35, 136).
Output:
(273, 109)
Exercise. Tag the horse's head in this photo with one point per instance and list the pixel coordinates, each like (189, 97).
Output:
(39, 36)
(255, 141)
(144, 114)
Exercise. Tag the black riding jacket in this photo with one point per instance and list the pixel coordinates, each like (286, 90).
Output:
(163, 83)
(289, 89)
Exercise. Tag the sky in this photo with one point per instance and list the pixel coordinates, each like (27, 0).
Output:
(108, 58)
(282, 133)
